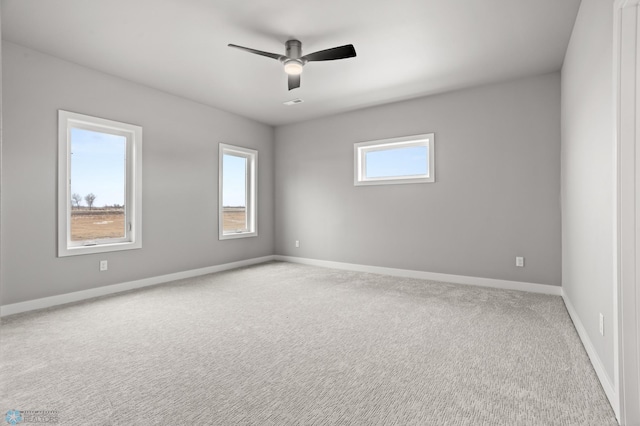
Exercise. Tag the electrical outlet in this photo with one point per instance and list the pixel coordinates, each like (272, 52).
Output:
(520, 261)
(601, 325)
(297, 243)
(103, 265)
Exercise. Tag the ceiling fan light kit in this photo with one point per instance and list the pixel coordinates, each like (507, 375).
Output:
(294, 61)
(293, 67)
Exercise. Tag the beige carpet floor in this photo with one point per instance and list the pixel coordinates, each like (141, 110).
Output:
(286, 344)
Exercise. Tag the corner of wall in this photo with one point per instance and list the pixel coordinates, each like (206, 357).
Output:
(608, 385)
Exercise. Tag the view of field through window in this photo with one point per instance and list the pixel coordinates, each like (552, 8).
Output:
(98, 191)
(234, 193)
(403, 161)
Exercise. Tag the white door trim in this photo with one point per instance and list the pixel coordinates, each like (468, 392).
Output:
(627, 92)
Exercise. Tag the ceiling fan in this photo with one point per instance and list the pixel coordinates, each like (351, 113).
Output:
(294, 61)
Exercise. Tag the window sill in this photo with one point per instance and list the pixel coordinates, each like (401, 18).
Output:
(393, 181)
(232, 236)
(98, 248)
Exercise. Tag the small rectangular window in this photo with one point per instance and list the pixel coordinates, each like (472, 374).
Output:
(99, 201)
(408, 159)
(237, 192)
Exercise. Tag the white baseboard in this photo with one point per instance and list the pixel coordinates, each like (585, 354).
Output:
(62, 299)
(604, 378)
(434, 276)
(47, 302)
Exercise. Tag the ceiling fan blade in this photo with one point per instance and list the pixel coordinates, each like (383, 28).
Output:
(342, 52)
(294, 81)
(259, 52)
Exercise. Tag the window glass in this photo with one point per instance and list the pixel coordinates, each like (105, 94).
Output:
(98, 190)
(408, 161)
(234, 193)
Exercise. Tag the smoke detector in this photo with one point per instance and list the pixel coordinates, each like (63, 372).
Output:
(294, 102)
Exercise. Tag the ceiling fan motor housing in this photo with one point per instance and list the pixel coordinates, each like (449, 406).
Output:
(294, 49)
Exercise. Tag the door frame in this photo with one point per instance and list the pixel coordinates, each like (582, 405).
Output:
(627, 300)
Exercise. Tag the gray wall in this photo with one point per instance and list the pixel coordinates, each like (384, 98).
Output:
(180, 178)
(588, 174)
(496, 196)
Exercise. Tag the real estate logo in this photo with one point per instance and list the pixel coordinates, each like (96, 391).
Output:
(14, 417)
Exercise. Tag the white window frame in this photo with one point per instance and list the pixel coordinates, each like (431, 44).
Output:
(361, 149)
(252, 191)
(133, 185)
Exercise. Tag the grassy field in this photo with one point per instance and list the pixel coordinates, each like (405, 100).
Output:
(234, 219)
(95, 224)
(102, 223)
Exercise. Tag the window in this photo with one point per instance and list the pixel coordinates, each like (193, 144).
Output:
(99, 185)
(237, 192)
(408, 159)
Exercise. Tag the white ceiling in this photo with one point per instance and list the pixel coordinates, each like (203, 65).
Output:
(405, 48)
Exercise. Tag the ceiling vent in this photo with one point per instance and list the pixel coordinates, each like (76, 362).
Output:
(294, 101)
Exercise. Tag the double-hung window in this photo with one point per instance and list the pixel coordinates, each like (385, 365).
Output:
(408, 159)
(237, 214)
(99, 185)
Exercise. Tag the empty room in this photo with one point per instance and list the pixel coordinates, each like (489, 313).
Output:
(417, 212)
